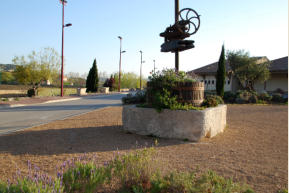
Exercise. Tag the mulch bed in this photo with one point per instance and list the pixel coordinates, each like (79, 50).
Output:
(253, 149)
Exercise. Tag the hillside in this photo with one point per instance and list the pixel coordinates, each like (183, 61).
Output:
(7, 67)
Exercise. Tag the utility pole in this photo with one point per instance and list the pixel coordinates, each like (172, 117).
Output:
(141, 61)
(119, 72)
(176, 20)
(154, 66)
(63, 2)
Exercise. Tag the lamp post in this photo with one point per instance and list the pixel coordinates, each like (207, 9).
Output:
(119, 73)
(63, 2)
(141, 62)
(154, 66)
(176, 21)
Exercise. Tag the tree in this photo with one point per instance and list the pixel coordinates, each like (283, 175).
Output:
(110, 82)
(74, 77)
(129, 80)
(92, 79)
(221, 74)
(247, 70)
(6, 77)
(41, 66)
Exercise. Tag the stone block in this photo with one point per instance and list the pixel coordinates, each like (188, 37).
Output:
(176, 124)
(104, 90)
(81, 91)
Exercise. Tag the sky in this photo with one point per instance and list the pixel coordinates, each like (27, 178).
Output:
(257, 26)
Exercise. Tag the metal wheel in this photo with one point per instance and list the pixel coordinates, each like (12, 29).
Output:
(192, 18)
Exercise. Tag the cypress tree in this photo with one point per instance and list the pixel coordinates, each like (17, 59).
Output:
(221, 74)
(92, 78)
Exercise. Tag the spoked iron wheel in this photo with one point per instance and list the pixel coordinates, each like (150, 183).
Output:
(192, 18)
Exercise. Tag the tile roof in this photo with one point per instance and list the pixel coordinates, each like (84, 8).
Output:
(210, 69)
(278, 65)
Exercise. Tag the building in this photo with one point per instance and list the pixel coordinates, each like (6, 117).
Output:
(278, 76)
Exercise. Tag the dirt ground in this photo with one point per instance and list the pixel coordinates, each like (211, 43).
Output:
(253, 149)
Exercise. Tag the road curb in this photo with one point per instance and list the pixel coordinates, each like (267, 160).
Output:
(46, 102)
(5, 106)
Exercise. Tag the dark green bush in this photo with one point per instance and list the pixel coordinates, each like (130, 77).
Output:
(264, 97)
(32, 92)
(212, 101)
(229, 97)
(244, 96)
(138, 98)
(253, 99)
(277, 98)
(162, 92)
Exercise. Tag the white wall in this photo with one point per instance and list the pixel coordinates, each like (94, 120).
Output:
(275, 81)
(210, 82)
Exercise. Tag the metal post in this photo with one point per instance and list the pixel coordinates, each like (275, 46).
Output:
(62, 48)
(154, 66)
(119, 73)
(140, 69)
(176, 20)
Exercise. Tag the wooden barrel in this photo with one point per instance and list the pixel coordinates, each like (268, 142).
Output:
(186, 92)
(190, 92)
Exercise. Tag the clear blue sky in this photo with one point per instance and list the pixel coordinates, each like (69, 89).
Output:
(258, 26)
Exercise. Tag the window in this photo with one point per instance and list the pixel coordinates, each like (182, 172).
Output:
(209, 81)
(213, 82)
(205, 82)
(228, 82)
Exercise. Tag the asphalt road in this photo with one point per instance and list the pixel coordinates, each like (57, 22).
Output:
(18, 118)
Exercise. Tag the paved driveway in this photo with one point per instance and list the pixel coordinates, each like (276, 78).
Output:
(17, 118)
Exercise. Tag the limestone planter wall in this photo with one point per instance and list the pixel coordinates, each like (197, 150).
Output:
(177, 124)
(81, 91)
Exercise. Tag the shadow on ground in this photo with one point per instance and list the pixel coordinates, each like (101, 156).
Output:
(76, 140)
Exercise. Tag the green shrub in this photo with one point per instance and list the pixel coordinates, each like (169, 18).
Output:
(85, 178)
(229, 97)
(283, 191)
(162, 92)
(264, 97)
(165, 100)
(132, 173)
(212, 101)
(253, 99)
(5, 99)
(134, 169)
(244, 96)
(32, 92)
(262, 102)
(139, 97)
(277, 98)
(36, 185)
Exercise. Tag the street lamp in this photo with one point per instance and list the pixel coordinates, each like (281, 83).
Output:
(63, 2)
(141, 62)
(154, 66)
(119, 73)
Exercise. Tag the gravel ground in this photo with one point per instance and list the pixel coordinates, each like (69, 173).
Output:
(253, 148)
